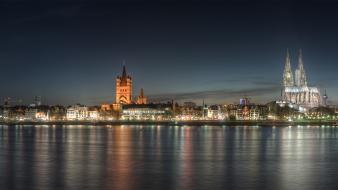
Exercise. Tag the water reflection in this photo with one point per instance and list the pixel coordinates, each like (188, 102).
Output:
(168, 157)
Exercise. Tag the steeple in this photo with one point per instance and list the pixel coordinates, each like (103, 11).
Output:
(300, 71)
(124, 77)
(141, 93)
(124, 88)
(288, 75)
(141, 99)
(124, 72)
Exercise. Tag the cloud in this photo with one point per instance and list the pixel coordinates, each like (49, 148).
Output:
(254, 80)
(221, 94)
(260, 89)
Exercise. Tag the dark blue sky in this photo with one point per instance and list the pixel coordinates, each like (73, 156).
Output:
(71, 51)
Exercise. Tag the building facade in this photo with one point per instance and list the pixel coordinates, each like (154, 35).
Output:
(124, 88)
(146, 112)
(295, 90)
(141, 99)
(30, 114)
(77, 112)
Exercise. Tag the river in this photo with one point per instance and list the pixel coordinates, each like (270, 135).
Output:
(144, 157)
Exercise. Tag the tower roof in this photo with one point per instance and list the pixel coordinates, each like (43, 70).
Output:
(124, 72)
(124, 77)
(141, 93)
(287, 60)
(300, 59)
(288, 75)
(300, 72)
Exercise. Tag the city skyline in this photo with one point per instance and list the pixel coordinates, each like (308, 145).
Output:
(222, 96)
(168, 94)
(71, 52)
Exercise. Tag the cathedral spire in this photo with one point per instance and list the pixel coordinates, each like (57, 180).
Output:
(300, 59)
(288, 75)
(300, 71)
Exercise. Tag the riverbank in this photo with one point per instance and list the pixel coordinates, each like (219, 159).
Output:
(174, 123)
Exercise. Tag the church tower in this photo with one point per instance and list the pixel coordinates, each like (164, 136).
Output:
(300, 71)
(288, 75)
(296, 91)
(124, 88)
(141, 99)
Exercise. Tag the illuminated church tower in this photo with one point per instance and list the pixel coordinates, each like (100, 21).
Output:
(297, 91)
(288, 75)
(141, 99)
(124, 88)
(300, 72)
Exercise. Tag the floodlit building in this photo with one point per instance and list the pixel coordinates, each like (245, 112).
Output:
(30, 114)
(244, 101)
(106, 107)
(141, 99)
(93, 113)
(42, 116)
(124, 88)
(146, 112)
(77, 112)
(57, 113)
(254, 114)
(248, 112)
(124, 94)
(215, 113)
(296, 91)
(237, 113)
(190, 111)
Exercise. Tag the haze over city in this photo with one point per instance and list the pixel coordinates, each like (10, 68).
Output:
(71, 51)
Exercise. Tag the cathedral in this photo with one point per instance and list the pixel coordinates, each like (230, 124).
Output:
(295, 89)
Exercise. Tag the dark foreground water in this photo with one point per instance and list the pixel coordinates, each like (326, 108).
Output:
(164, 157)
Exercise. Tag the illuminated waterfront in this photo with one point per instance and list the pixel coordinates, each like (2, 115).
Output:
(168, 157)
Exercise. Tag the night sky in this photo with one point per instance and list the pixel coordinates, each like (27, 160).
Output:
(71, 51)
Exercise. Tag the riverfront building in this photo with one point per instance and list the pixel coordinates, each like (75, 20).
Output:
(147, 112)
(124, 91)
(77, 112)
(295, 90)
(124, 88)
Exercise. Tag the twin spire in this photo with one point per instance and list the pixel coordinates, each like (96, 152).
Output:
(300, 71)
(300, 76)
(287, 75)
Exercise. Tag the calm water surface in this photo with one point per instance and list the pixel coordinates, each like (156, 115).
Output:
(164, 157)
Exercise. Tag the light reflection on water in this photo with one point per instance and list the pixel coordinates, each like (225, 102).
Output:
(168, 157)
